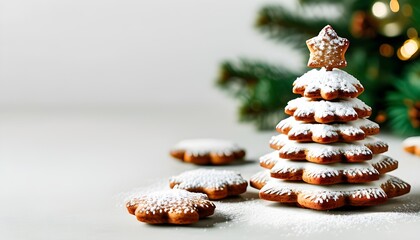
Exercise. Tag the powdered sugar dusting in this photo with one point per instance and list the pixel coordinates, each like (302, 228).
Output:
(169, 201)
(380, 162)
(295, 128)
(290, 221)
(269, 158)
(249, 213)
(304, 107)
(316, 150)
(200, 147)
(327, 49)
(207, 178)
(260, 177)
(332, 192)
(327, 81)
(325, 171)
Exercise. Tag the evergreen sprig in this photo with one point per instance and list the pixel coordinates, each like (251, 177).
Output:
(280, 24)
(406, 95)
(263, 89)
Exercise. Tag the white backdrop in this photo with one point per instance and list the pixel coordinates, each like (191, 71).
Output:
(125, 52)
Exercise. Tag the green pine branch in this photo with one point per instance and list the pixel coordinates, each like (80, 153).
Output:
(407, 93)
(262, 89)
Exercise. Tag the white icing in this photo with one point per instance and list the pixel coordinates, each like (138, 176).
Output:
(168, 201)
(323, 150)
(207, 178)
(323, 130)
(304, 107)
(381, 161)
(397, 183)
(327, 81)
(412, 141)
(200, 147)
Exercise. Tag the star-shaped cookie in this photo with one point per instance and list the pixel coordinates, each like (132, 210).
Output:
(327, 49)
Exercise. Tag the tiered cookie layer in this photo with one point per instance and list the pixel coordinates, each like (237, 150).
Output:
(326, 156)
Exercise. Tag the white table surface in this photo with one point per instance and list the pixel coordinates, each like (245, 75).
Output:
(62, 173)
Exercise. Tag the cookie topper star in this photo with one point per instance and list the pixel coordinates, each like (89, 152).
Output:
(327, 49)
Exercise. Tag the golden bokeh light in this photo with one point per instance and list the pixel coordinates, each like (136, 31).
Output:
(408, 49)
(394, 6)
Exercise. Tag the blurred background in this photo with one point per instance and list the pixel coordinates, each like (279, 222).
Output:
(94, 93)
(124, 53)
(57, 55)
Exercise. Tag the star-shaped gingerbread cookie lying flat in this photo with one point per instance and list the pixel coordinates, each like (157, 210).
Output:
(173, 206)
(335, 152)
(217, 184)
(321, 133)
(327, 173)
(327, 85)
(320, 197)
(342, 110)
(327, 49)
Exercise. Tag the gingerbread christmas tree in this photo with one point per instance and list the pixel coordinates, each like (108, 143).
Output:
(326, 155)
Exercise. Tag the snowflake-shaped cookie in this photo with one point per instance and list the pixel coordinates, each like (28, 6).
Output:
(217, 184)
(322, 133)
(320, 197)
(322, 153)
(173, 206)
(342, 110)
(323, 174)
(207, 151)
(327, 49)
(327, 85)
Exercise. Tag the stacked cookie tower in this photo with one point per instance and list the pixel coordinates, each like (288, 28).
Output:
(326, 156)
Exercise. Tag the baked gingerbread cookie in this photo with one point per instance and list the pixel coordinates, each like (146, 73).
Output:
(327, 173)
(175, 206)
(207, 151)
(322, 133)
(320, 197)
(412, 145)
(335, 152)
(217, 184)
(327, 49)
(327, 85)
(321, 111)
